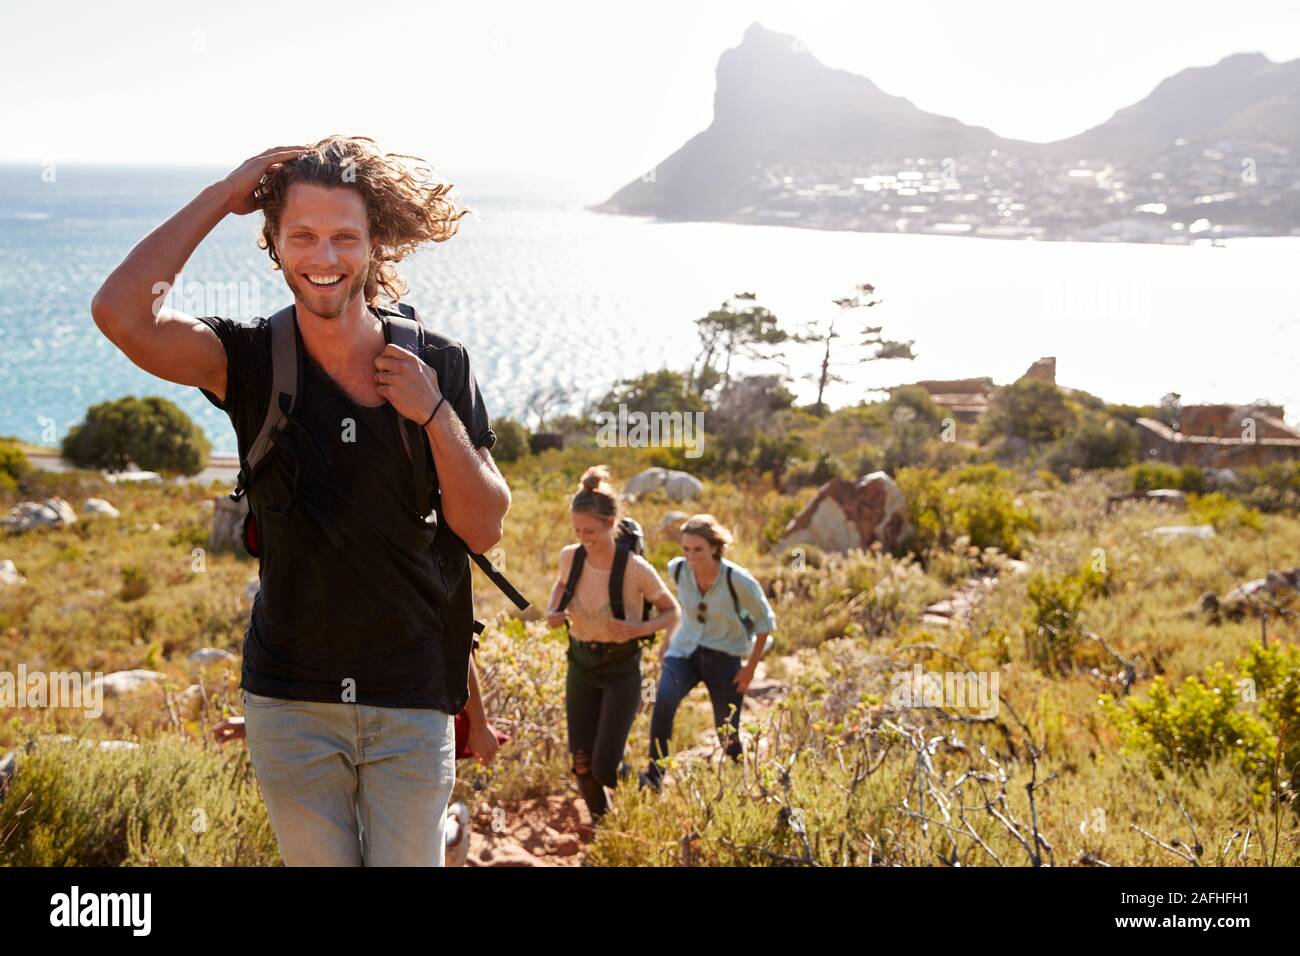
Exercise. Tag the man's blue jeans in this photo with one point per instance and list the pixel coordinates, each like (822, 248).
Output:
(677, 679)
(350, 784)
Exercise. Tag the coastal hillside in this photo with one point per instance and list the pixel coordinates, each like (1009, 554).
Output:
(1056, 659)
(1211, 152)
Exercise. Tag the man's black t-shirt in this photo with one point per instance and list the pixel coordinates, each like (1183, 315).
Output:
(346, 611)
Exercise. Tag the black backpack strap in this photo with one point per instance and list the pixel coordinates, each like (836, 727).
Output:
(499, 579)
(403, 327)
(677, 573)
(616, 574)
(286, 381)
(575, 570)
(404, 330)
(735, 601)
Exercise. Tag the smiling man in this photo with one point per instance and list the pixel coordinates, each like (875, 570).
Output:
(357, 655)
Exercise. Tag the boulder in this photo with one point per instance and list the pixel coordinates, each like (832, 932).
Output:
(210, 655)
(131, 472)
(9, 573)
(682, 487)
(120, 683)
(51, 513)
(646, 482)
(8, 767)
(670, 525)
(98, 506)
(847, 515)
(228, 524)
(1246, 598)
(678, 485)
(1202, 531)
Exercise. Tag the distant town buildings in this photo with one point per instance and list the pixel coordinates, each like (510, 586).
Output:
(1187, 193)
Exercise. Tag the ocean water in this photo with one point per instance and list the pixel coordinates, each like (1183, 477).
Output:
(544, 293)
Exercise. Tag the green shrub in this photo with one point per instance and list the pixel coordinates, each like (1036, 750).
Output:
(1030, 409)
(1148, 476)
(1098, 442)
(815, 473)
(1052, 626)
(512, 440)
(1253, 719)
(135, 583)
(1269, 488)
(167, 803)
(1222, 512)
(151, 431)
(976, 502)
(14, 465)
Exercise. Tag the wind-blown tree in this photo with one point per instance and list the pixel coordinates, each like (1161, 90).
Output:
(728, 332)
(824, 333)
(663, 390)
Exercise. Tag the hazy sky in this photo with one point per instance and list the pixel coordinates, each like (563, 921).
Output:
(589, 93)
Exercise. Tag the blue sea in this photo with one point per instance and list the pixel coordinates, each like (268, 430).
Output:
(544, 293)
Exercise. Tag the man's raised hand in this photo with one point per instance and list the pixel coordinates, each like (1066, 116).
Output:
(243, 182)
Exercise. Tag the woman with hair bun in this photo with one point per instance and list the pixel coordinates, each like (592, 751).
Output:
(726, 620)
(603, 683)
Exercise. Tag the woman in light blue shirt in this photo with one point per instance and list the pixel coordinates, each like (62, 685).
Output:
(723, 632)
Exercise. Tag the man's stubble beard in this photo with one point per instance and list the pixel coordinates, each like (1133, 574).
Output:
(299, 293)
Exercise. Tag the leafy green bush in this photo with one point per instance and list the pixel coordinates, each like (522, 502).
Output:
(14, 466)
(151, 431)
(1269, 488)
(1097, 442)
(512, 440)
(1030, 409)
(1222, 512)
(1052, 626)
(1253, 719)
(976, 501)
(1150, 475)
(815, 473)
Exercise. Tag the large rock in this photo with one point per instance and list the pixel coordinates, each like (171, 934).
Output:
(51, 513)
(670, 525)
(845, 515)
(210, 655)
(98, 506)
(682, 487)
(9, 573)
(678, 485)
(228, 524)
(120, 683)
(1251, 597)
(8, 767)
(1201, 531)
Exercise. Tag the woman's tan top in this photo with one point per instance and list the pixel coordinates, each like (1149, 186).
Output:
(590, 616)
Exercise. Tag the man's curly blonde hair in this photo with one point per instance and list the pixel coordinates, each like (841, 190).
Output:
(405, 207)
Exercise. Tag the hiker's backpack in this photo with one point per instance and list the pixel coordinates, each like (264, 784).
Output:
(629, 539)
(401, 327)
(741, 613)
